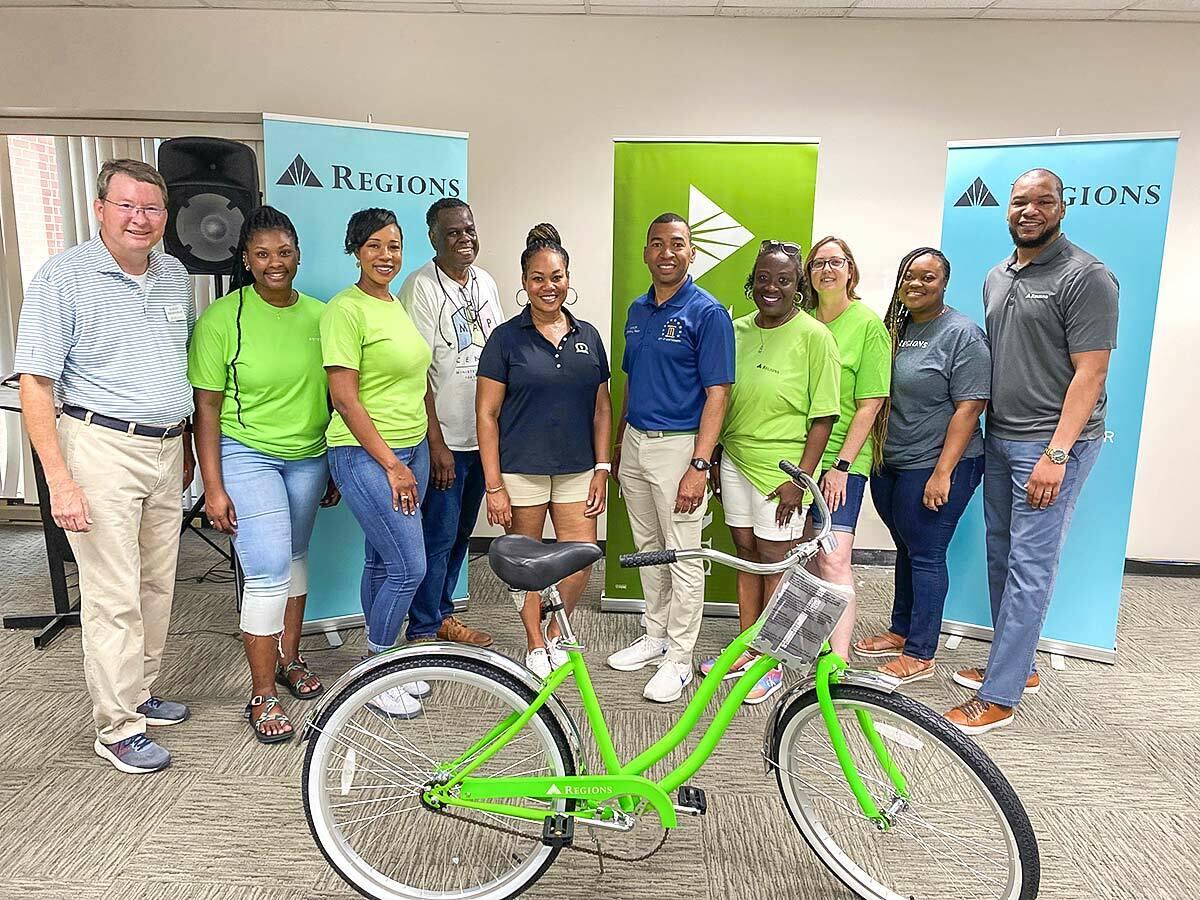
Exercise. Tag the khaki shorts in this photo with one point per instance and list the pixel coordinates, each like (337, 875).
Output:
(534, 490)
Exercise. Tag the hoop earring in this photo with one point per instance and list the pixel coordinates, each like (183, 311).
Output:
(569, 301)
(517, 298)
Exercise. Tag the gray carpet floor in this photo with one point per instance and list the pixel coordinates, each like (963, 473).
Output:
(1105, 760)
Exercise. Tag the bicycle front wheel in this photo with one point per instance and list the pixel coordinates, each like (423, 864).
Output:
(365, 772)
(959, 834)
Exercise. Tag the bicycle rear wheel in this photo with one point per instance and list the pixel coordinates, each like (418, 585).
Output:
(364, 773)
(960, 834)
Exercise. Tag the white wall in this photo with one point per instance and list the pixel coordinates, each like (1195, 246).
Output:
(543, 95)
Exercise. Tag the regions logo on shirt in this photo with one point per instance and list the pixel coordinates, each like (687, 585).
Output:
(905, 345)
(1038, 295)
(672, 331)
(581, 347)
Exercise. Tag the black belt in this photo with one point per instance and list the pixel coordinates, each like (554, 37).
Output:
(154, 431)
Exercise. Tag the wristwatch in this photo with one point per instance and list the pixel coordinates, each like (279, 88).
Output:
(1055, 455)
(842, 465)
(701, 465)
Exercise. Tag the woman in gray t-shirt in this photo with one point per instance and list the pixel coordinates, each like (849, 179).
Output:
(932, 457)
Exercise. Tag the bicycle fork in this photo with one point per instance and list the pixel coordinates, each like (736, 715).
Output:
(829, 668)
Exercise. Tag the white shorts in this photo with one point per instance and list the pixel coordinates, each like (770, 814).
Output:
(534, 490)
(747, 507)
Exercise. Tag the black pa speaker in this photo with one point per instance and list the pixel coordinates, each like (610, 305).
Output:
(212, 184)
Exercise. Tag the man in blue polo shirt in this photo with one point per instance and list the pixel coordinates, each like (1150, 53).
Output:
(679, 362)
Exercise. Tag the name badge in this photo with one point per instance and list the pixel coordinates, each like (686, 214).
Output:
(176, 313)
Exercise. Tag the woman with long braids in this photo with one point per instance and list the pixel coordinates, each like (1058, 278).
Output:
(261, 412)
(782, 406)
(932, 454)
(378, 366)
(831, 275)
(544, 420)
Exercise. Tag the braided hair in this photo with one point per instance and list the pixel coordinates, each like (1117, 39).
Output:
(542, 237)
(262, 218)
(896, 320)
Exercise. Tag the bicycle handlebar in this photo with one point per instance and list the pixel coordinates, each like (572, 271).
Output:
(805, 551)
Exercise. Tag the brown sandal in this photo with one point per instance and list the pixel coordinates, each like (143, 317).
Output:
(908, 669)
(885, 644)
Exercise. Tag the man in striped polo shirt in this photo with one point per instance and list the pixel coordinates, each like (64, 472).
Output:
(104, 331)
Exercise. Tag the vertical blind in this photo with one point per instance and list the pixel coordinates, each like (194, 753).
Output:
(79, 158)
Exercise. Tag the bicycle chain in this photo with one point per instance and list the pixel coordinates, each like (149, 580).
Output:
(584, 850)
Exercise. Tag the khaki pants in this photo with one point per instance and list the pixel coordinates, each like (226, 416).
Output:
(126, 563)
(651, 468)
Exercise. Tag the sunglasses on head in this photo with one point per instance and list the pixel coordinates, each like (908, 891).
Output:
(786, 246)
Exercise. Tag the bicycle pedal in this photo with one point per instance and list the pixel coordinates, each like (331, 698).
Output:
(558, 831)
(692, 800)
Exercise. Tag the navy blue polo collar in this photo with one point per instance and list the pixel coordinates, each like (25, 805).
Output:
(527, 319)
(1056, 249)
(686, 291)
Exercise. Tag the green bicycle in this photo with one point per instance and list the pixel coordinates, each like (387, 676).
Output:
(475, 798)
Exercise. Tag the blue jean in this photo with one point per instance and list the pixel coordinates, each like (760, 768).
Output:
(922, 537)
(448, 518)
(275, 501)
(1024, 546)
(395, 546)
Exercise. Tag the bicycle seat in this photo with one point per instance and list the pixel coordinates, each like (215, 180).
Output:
(529, 565)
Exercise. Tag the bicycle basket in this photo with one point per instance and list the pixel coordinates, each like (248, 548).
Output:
(800, 617)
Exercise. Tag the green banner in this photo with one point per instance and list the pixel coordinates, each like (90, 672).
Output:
(734, 194)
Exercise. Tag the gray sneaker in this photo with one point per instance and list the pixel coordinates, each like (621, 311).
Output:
(137, 755)
(163, 712)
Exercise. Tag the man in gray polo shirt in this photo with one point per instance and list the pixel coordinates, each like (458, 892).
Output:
(104, 329)
(1051, 315)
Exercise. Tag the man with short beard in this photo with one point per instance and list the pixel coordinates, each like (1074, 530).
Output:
(1051, 316)
(455, 305)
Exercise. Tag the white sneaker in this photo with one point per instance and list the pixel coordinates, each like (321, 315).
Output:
(397, 703)
(668, 682)
(558, 656)
(537, 661)
(418, 689)
(645, 651)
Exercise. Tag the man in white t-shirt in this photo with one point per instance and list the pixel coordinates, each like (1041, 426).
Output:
(455, 306)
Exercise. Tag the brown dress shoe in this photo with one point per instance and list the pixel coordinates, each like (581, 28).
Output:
(454, 630)
(979, 717)
(973, 679)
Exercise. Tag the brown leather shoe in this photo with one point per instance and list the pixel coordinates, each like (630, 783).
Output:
(973, 679)
(908, 669)
(454, 630)
(979, 717)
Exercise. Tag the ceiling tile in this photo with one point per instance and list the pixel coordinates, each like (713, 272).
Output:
(163, 4)
(1193, 5)
(1159, 15)
(788, 12)
(1028, 14)
(39, 3)
(526, 7)
(267, 4)
(790, 4)
(656, 4)
(1061, 4)
(922, 4)
(393, 6)
(883, 12)
(684, 8)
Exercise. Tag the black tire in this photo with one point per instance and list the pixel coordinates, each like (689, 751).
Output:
(430, 662)
(935, 728)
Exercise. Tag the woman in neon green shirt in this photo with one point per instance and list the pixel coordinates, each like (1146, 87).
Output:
(261, 413)
(866, 353)
(782, 406)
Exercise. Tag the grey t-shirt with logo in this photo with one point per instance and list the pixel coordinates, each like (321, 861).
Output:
(1062, 302)
(937, 363)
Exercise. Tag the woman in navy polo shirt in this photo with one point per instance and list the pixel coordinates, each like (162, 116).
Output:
(544, 421)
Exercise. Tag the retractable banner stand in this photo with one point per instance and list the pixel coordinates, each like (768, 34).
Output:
(734, 193)
(1118, 193)
(320, 172)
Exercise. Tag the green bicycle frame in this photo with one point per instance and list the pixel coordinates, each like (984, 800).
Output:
(625, 785)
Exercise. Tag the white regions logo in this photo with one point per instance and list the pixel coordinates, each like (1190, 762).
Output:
(715, 233)
(581, 347)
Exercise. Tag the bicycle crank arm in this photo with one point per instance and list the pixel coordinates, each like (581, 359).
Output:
(592, 789)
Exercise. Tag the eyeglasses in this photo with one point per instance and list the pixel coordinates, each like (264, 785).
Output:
(786, 246)
(832, 262)
(130, 209)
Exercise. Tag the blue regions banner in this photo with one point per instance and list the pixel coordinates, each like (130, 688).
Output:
(320, 172)
(1118, 194)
